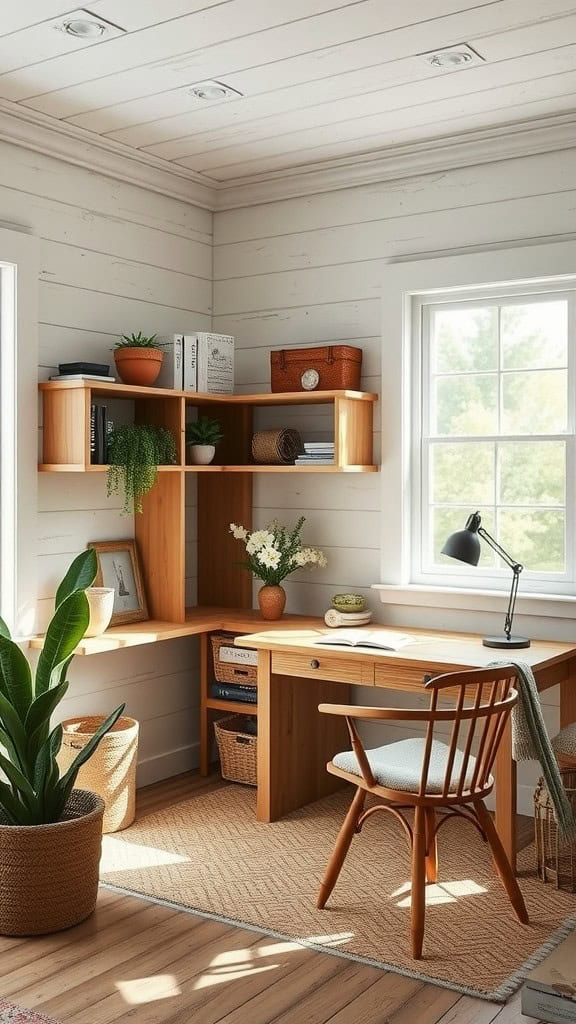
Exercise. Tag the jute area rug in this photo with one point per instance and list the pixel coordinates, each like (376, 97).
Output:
(10, 1014)
(210, 855)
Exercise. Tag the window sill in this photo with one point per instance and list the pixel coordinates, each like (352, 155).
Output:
(553, 605)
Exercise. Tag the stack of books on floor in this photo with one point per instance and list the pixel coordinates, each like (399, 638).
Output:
(234, 691)
(316, 453)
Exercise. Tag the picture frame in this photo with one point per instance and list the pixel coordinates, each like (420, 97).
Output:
(119, 568)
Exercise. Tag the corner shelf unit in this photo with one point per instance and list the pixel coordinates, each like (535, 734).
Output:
(224, 488)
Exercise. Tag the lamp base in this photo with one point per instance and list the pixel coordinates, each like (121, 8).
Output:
(513, 643)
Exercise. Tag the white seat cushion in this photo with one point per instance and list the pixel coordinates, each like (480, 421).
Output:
(399, 765)
(565, 741)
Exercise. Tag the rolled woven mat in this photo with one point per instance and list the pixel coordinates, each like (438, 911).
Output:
(276, 447)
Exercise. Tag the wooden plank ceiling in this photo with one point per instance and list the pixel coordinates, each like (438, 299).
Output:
(321, 79)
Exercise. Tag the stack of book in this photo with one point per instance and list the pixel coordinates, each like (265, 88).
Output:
(84, 371)
(234, 691)
(316, 453)
(100, 428)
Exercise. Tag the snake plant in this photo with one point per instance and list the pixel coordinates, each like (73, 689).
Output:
(34, 793)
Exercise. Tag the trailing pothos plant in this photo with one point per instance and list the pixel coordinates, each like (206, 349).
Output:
(34, 793)
(135, 450)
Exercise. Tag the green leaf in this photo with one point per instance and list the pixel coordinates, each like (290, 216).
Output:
(12, 808)
(90, 747)
(38, 718)
(4, 631)
(80, 575)
(18, 781)
(15, 677)
(68, 625)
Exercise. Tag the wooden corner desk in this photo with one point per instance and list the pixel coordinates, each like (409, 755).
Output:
(294, 676)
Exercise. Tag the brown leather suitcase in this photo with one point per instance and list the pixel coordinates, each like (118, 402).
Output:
(325, 368)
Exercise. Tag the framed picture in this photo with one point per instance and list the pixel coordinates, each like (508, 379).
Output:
(119, 568)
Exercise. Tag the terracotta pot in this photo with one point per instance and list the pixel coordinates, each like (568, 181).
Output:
(139, 366)
(200, 454)
(49, 873)
(272, 601)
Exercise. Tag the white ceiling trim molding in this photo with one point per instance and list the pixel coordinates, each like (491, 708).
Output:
(43, 134)
(486, 145)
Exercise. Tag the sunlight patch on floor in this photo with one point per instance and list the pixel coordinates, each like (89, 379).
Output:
(335, 939)
(220, 975)
(441, 892)
(138, 991)
(123, 855)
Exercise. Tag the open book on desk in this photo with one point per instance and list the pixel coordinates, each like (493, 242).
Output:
(381, 639)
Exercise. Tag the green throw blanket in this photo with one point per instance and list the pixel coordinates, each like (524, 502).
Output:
(530, 742)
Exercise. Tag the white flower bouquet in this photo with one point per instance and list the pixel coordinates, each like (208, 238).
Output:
(273, 553)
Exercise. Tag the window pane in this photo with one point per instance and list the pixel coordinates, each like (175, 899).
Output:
(462, 473)
(445, 521)
(533, 473)
(464, 339)
(466, 405)
(534, 335)
(535, 402)
(534, 537)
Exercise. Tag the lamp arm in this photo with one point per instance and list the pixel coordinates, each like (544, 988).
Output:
(515, 566)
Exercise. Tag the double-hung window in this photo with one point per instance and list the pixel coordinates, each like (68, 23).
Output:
(493, 432)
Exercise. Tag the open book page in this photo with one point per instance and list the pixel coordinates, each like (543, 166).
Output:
(384, 639)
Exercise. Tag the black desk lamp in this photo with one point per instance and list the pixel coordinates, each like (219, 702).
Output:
(465, 546)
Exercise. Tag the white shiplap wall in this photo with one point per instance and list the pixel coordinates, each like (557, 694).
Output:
(308, 271)
(113, 258)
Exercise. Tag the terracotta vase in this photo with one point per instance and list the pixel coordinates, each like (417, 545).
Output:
(272, 600)
(139, 366)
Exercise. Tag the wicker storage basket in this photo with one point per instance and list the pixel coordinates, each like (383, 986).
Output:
(237, 750)
(239, 671)
(338, 367)
(111, 771)
(49, 873)
(276, 447)
(556, 856)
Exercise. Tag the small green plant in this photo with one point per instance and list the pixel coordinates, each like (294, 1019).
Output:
(204, 430)
(34, 793)
(137, 341)
(135, 451)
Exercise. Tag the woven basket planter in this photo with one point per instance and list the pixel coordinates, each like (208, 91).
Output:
(111, 771)
(49, 873)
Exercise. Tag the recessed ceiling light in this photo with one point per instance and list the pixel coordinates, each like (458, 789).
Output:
(85, 25)
(212, 90)
(448, 57)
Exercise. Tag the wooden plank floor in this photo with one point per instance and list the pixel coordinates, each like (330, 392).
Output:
(136, 961)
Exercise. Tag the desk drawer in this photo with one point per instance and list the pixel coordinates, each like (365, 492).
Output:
(401, 677)
(324, 666)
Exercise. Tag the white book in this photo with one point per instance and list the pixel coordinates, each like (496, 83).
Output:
(83, 376)
(382, 639)
(215, 363)
(170, 375)
(190, 362)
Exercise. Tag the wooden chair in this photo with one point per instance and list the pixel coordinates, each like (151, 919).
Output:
(427, 775)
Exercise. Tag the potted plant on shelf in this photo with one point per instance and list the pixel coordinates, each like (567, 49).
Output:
(135, 450)
(138, 358)
(202, 436)
(50, 833)
(274, 553)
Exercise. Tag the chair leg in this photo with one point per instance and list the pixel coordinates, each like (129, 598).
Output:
(418, 899)
(502, 863)
(341, 848)
(431, 846)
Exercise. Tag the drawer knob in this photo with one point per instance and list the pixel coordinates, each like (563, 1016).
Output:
(314, 663)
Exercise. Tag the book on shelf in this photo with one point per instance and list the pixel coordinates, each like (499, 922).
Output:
(171, 374)
(100, 369)
(100, 428)
(190, 362)
(232, 691)
(83, 376)
(381, 639)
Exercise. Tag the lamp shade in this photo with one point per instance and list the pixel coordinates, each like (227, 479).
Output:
(465, 544)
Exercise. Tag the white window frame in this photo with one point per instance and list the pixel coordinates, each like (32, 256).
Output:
(532, 266)
(482, 577)
(18, 429)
